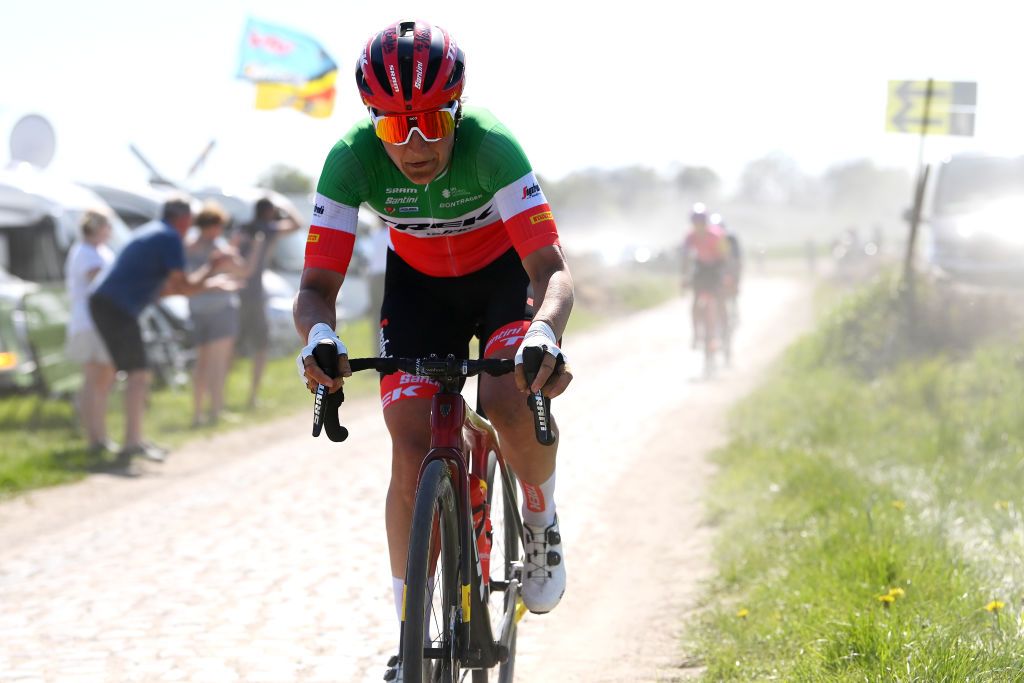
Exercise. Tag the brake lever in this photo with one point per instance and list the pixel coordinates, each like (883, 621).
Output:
(326, 406)
(538, 403)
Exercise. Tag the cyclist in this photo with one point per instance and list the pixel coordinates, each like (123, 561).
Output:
(473, 251)
(732, 272)
(705, 251)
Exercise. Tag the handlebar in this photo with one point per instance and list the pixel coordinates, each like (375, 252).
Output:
(447, 371)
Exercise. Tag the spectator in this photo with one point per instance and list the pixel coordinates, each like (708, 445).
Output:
(215, 312)
(151, 265)
(254, 333)
(87, 258)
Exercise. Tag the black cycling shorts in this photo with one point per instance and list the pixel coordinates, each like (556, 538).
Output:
(121, 333)
(708, 277)
(423, 314)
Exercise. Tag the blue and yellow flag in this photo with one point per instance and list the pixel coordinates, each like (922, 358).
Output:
(290, 69)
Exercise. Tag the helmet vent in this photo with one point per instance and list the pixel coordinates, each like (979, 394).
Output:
(377, 61)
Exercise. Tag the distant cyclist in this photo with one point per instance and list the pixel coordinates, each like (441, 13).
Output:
(473, 252)
(733, 271)
(705, 252)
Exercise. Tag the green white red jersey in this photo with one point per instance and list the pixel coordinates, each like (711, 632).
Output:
(487, 201)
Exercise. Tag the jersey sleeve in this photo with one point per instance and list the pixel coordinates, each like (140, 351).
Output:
(332, 231)
(505, 171)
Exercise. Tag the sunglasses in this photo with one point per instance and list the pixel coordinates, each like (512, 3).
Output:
(396, 129)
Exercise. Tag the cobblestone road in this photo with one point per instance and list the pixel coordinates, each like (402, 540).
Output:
(260, 557)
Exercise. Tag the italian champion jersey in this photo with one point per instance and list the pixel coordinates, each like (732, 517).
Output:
(485, 202)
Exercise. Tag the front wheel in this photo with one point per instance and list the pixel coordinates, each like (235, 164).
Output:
(431, 615)
(505, 556)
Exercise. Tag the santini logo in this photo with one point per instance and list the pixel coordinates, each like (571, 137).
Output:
(531, 191)
(318, 209)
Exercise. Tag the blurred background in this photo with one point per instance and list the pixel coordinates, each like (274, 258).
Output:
(781, 118)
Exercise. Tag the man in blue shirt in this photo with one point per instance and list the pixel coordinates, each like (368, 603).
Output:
(150, 266)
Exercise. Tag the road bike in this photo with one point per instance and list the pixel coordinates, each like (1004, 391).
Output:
(461, 604)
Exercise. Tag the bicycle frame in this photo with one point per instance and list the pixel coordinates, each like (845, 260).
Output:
(454, 427)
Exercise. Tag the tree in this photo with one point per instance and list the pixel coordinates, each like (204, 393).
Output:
(698, 181)
(775, 179)
(286, 180)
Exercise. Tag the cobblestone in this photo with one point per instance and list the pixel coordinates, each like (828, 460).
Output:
(261, 556)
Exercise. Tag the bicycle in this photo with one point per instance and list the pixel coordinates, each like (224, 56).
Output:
(447, 587)
(712, 327)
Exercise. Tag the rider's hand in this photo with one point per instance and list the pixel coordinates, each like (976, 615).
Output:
(548, 380)
(310, 372)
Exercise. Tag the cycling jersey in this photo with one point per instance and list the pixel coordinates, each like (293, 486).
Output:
(486, 202)
(709, 246)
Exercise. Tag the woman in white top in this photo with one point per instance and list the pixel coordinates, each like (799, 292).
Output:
(86, 259)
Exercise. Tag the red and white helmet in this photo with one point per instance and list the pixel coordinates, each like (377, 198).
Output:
(410, 66)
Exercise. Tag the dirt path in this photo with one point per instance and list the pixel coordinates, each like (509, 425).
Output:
(260, 555)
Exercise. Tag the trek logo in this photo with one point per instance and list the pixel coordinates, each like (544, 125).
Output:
(531, 191)
(534, 498)
(318, 209)
(445, 228)
(394, 395)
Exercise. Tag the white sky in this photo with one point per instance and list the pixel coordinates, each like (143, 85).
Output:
(712, 82)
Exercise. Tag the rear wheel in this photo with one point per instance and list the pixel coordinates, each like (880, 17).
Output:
(431, 616)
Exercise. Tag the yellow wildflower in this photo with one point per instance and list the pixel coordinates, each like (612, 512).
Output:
(899, 504)
(742, 614)
(886, 599)
(995, 606)
(897, 592)
(1003, 505)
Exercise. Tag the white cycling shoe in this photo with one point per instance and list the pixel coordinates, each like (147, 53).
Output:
(544, 570)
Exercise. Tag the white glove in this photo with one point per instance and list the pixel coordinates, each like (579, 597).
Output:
(542, 336)
(318, 333)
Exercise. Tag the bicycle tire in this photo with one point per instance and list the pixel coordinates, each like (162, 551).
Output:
(509, 535)
(434, 504)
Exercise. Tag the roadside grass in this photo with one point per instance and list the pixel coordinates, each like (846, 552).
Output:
(870, 515)
(40, 444)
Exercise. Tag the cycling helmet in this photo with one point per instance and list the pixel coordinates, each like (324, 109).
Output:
(716, 219)
(410, 66)
(699, 211)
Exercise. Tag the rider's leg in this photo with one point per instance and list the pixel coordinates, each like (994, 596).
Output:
(534, 465)
(408, 421)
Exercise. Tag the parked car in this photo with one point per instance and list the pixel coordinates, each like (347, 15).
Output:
(974, 219)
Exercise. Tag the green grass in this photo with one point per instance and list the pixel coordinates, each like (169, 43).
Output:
(40, 444)
(846, 479)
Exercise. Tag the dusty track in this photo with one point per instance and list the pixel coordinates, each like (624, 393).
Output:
(260, 555)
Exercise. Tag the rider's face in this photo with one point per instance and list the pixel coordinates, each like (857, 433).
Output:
(699, 223)
(421, 161)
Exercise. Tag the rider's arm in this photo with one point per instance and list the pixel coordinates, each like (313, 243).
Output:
(553, 299)
(315, 304)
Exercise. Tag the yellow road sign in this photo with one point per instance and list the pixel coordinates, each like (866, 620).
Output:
(950, 107)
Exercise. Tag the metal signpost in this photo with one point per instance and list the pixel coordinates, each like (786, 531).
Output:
(923, 107)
